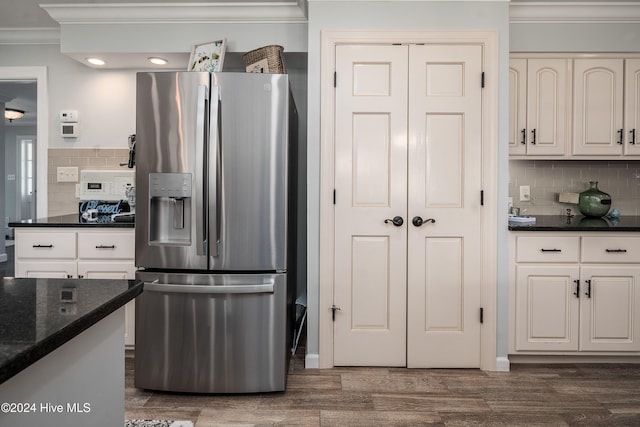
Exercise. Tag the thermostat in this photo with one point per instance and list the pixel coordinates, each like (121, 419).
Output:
(69, 130)
(67, 116)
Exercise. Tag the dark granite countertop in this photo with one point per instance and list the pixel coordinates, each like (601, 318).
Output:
(34, 319)
(579, 223)
(72, 220)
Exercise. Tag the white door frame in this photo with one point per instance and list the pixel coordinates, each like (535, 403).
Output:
(489, 40)
(39, 74)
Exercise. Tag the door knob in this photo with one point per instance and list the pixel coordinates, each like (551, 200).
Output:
(418, 221)
(397, 221)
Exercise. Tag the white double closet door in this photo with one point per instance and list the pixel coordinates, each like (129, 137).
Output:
(408, 145)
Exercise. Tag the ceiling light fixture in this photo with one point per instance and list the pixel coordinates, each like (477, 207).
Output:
(12, 114)
(157, 60)
(96, 61)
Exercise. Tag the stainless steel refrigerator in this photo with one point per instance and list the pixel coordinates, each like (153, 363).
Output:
(215, 231)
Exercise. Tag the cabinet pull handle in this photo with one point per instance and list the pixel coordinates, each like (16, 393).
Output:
(533, 141)
(550, 250)
(633, 136)
(588, 293)
(577, 292)
(524, 137)
(42, 246)
(105, 246)
(620, 132)
(69, 276)
(616, 250)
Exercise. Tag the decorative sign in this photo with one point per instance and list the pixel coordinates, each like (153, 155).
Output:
(105, 207)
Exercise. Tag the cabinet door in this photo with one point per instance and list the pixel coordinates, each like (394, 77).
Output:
(547, 308)
(106, 270)
(517, 107)
(114, 270)
(610, 308)
(632, 107)
(598, 102)
(547, 106)
(51, 270)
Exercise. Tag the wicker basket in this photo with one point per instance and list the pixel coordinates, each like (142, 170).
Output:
(267, 59)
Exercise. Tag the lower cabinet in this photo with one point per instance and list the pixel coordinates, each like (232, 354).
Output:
(573, 294)
(78, 253)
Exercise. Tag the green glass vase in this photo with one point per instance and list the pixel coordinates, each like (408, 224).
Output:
(593, 202)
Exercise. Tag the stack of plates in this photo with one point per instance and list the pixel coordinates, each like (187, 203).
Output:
(522, 220)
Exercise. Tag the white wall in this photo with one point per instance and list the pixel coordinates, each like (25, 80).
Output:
(325, 15)
(574, 37)
(105, 99)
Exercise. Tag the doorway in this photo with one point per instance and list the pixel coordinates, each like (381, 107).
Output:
(382, 307)
(33, 127)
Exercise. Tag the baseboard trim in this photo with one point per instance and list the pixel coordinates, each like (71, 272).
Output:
(503, 364)
(312, 361)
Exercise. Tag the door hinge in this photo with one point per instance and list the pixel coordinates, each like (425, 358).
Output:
(481, 315)
(482, 80)
(335, 79)
(481, 197)
(334, 196)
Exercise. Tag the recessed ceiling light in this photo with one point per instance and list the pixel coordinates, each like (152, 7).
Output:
(96, 61)
(157, 60)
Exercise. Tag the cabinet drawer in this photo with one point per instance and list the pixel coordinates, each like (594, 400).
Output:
(547, 249)
(611, 249)
(46, 245)
(114, 245)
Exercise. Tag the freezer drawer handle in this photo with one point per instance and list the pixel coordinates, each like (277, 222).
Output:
(266, 288)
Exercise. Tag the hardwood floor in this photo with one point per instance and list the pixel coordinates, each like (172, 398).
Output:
(529, 395)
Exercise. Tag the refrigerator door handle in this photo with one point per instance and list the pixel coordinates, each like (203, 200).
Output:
(266, 288)
(214, 143)
(201, 207)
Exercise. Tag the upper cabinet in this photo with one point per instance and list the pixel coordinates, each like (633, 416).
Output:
(539, 107)
(632, 107)
(574, 107)
(598, 94)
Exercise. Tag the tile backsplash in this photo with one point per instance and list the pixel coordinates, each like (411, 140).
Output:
(548, 178)
(62, 198)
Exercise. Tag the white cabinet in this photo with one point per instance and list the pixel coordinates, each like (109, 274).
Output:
(606, 107)
(598, 107)
(574, 294)
(574, 106)
(78, 253)
(539, 106)
(632, 107)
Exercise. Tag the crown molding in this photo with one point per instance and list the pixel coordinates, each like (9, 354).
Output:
(29, 35)
(574, 12)
(136, 13)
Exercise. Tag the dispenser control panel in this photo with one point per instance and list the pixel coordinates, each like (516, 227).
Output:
(173, 185)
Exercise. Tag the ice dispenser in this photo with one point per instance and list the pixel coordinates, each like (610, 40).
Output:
(170, 209)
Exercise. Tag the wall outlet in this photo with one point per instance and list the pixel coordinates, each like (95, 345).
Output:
(67, 174)
(525, 193)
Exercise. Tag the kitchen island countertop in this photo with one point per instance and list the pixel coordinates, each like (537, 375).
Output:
(37, 316)
(579, 223)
